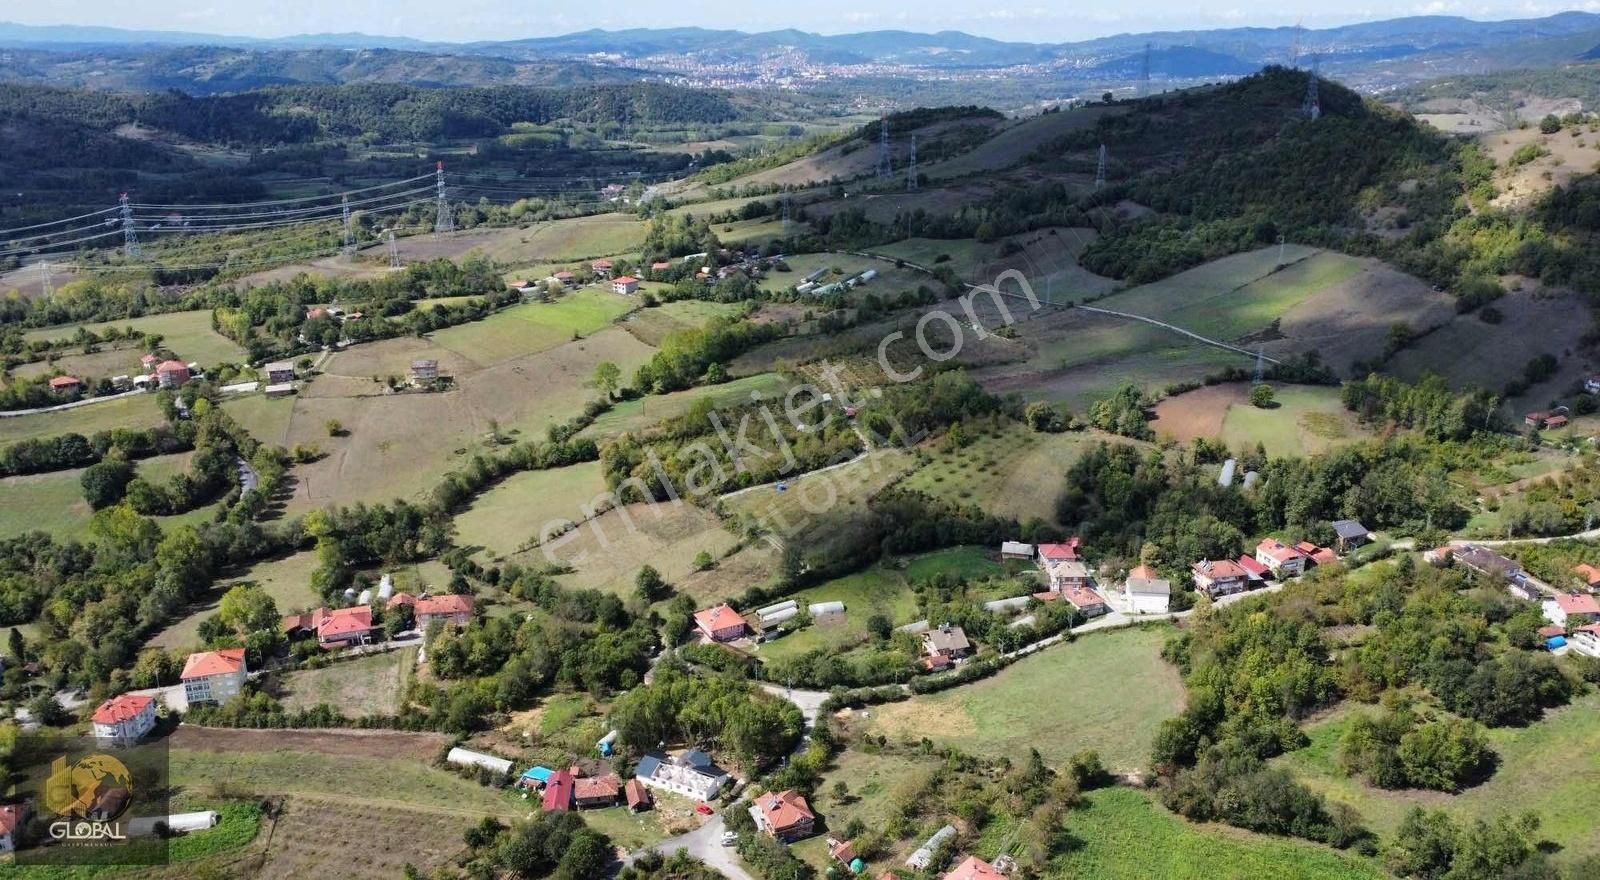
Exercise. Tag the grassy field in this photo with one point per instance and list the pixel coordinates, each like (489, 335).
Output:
(1549, 767)
(608, 551)
(1305, 418)
(876, 782)
(137, 411)
(643, 412)
(371, 685)
(877, 590)
(1108, 691)
(512, 513)
(53, 502)
(534, 327)
(264, 418)
(569, 239)
(399, 445)
(286, 580)
(653, 324)
(1230, 297)
(1012, 471)
(1125, 835)
(187, 334)
(810, 497)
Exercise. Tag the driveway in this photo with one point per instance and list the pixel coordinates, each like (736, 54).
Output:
(705, 843)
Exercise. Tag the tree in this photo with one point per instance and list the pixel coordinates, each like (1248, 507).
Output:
(105, 484)
(1044, 417)
(1550, 124)
(607, 377)
(1261, 396)
(650, 586)
(247, 608)
(335, 428)
(18, 648)
(704, 561)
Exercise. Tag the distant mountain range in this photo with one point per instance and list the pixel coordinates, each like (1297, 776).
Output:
(1377, 55)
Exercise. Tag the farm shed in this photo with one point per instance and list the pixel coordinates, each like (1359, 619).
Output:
(826, 612)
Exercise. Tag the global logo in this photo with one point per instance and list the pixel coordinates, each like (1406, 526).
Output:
(89, 795)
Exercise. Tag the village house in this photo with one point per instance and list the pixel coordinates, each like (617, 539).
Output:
(1316, 555)
(692, 774)
(1254, 569)
(601, 268)
(399, 599)
(1487, 562)
(1586, 639)
(720, 624)
(1088, 602)
(172, 374)
(1049, 553)
(596, 791)
(339, 628)
(1146, 592)
(1068, 574)
(1543, 419)
(638, 796)
(974, 868)
(1588, 574)
(1282, 559)
(450, 609)
(424, 370)
(944, 645)
(279, 372)
(123, 719)
(558, 792)
(1015, 550)
(566, 279)
(626, 285)
(12, 819)
(214, 676)
(66, 384)
(148, 362)
(1219, 577)
(1571, 609)
(785, 815)
(1349, 535)
(659, 266)
(841, 851)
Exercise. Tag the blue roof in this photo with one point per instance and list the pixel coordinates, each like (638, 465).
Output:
(696, 758)
(646, 768)
(542, 774)
(1555, 642)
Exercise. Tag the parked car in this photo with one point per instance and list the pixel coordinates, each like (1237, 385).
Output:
(729, 838)
(703, 809)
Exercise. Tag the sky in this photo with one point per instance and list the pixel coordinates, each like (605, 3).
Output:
(465, 20)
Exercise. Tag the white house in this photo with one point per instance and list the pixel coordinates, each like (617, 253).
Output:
(1145, 592)
(1283, 559)
(691, 774)
(214, 676)
(1586, 639)
(123, 719)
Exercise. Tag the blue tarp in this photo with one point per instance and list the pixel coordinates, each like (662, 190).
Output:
(540, 774)
(1555, 642)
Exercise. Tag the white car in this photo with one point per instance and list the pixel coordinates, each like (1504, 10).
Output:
(729, 838)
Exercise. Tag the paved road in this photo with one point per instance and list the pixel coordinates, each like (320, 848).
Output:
(705, 843)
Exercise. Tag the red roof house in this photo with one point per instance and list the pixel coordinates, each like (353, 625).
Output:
(596, 791)
(399, 599)
(974, 868)
(1219, 577)
(1283, 559)
(1086, 600)
(172, 374)
(784, 815)
(454, 609)
(1589, 573)
(122, 719)
(1255, 569)
(1317, 555)
(1059, 552)
(638, 796)
(66, 383)
(343, 626)
(625, 284)
(558, 791)
(1568, 605)
(122, 707)
(720, 624)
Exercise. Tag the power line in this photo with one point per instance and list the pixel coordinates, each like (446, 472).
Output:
(293, 200)
(61, 222)
(288, 212)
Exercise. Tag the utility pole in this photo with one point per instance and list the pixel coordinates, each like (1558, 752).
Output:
(911, 166)
(1280, 252)
(443, 220)
(130, 236)
(786, 213)
(1100, 169)
(394, 252)
(1261, 367)
(349, 237)
(1312, 108)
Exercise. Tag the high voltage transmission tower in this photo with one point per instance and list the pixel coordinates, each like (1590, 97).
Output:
(443, 220)
(1312, 106)
(884, 165)
(911, 166)
(349, 236)
(1100, 169)
(130, 236)
(1144, 72)
(47, 286)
